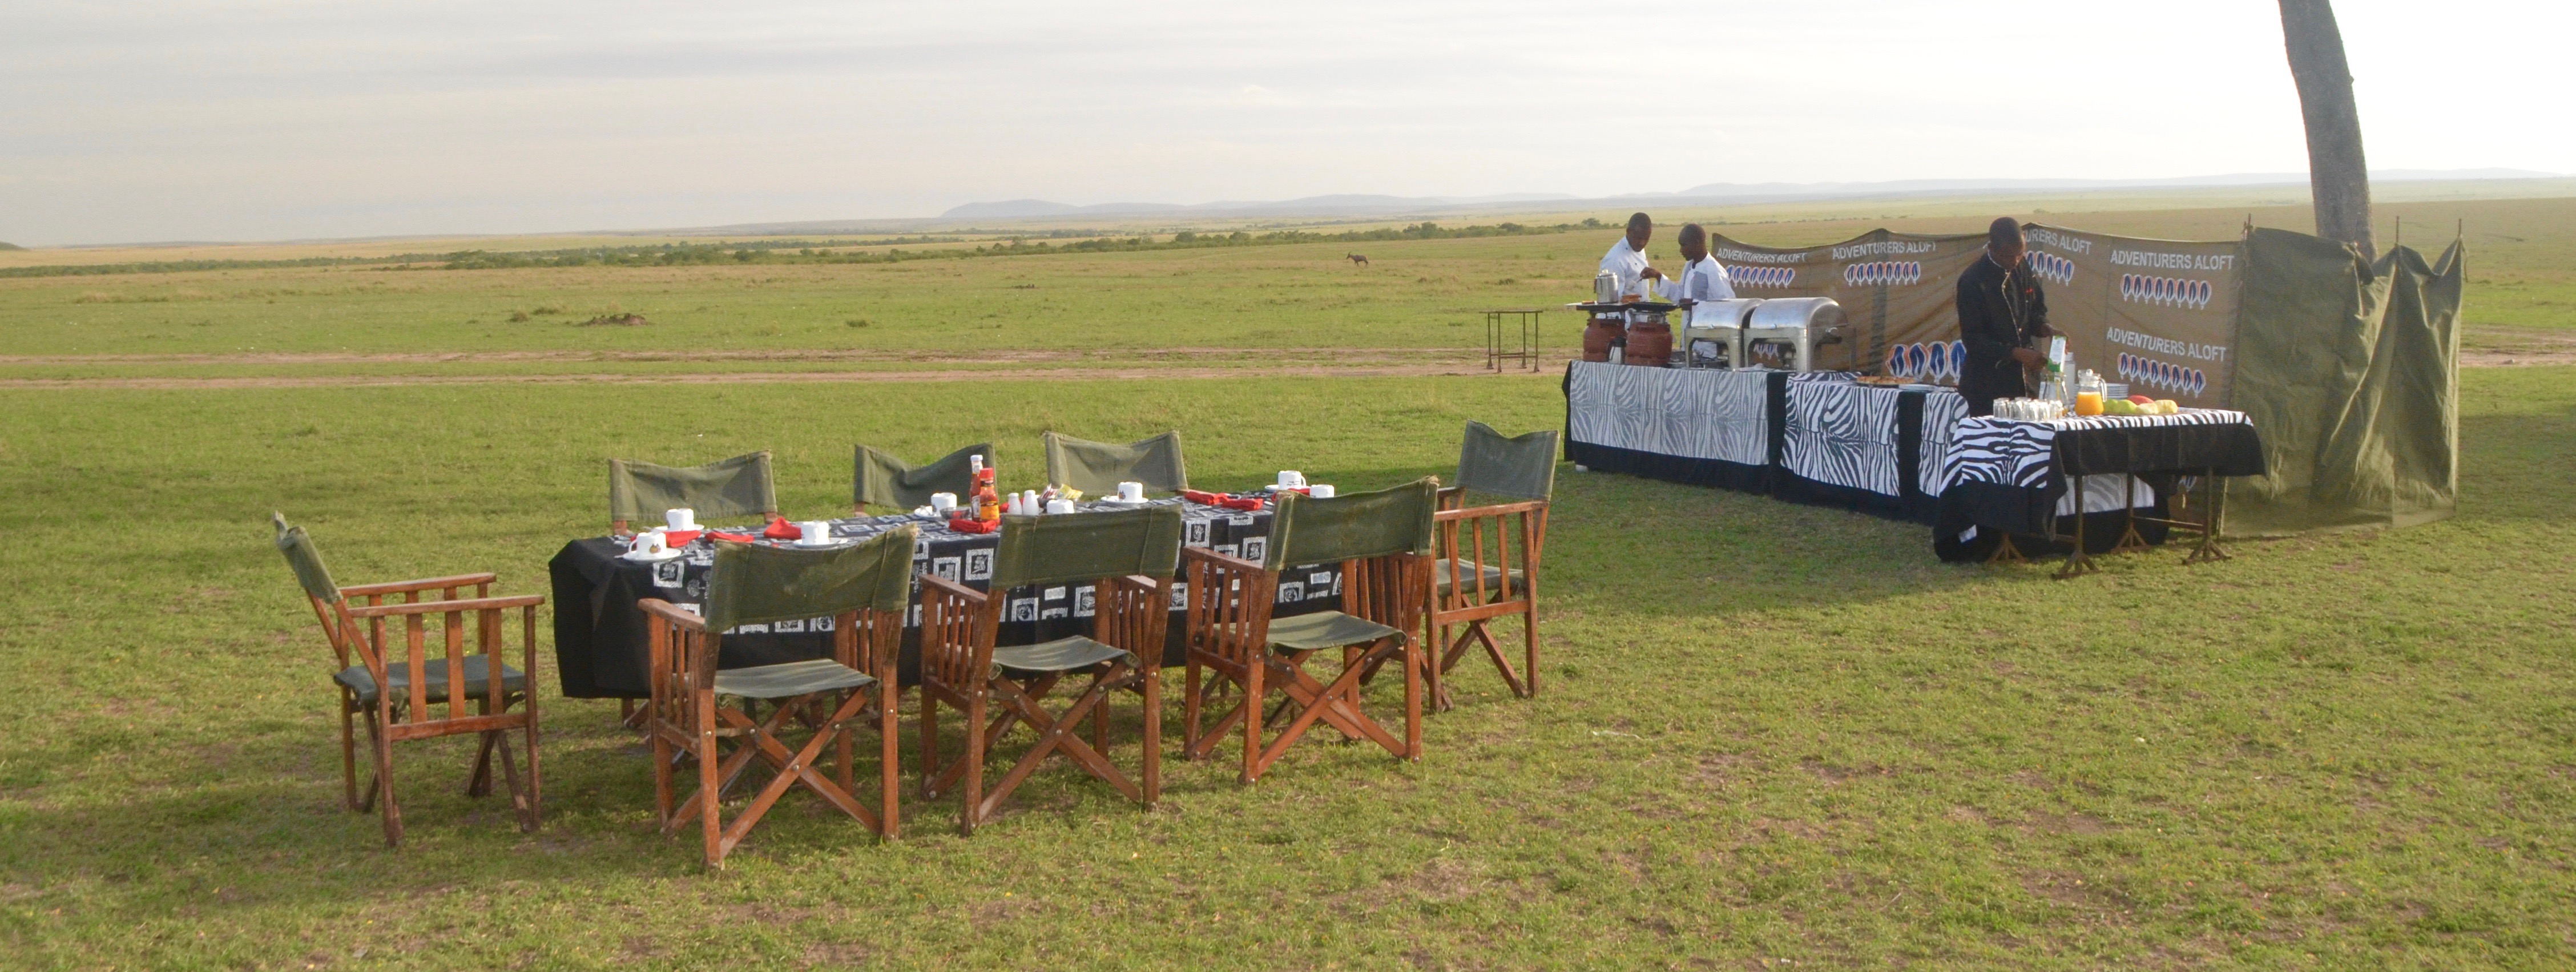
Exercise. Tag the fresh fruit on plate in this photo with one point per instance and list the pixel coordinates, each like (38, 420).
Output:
(2141, 400)
(2167, 406)
(2119, 406)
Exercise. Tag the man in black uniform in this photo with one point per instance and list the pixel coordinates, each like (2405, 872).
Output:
(2001, 315)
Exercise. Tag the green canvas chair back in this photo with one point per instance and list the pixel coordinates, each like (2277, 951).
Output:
(740, 486)
(1098, 467)
(1065, 548)
(306, 560)
(758, 584)
(885, 480)
(1353, 526)
(1521, 468)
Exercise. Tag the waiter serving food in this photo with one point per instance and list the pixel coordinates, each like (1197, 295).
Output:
(2002, 314)
(1627, 258)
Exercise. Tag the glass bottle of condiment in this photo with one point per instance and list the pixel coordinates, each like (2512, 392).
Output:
(988, 501)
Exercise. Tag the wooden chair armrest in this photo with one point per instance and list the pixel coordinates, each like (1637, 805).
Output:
(423, 584)
(1137, 582)
(1450, 497)
(444, 607)
(654, 607)
(1221, 561)
(933, 583)
(1481, 512)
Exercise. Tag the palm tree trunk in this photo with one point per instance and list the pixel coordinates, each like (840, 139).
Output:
(2338, 177)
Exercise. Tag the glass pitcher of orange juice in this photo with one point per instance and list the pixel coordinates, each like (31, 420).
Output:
(2088, 403)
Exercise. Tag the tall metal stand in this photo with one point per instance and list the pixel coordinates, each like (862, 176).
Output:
(1504, 326)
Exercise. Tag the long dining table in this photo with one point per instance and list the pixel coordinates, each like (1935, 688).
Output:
(600, 649)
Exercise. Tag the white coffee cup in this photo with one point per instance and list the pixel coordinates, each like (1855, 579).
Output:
(1131, 492)
(1320, 491)
(817, 532)
(943, 502)
(1059, 506)
(683, 518)
(1291, 479)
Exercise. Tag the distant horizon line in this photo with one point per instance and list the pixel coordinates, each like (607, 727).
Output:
(1362, 205)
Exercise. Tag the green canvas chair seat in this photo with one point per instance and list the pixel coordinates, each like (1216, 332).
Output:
(1098, 467)
(1326, 629)
(1061, 655)
(787, 680)
(885, 480)
(1493, 575)
(477, 669)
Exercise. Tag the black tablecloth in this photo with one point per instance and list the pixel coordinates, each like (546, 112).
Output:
(600, 648)
(2009, 476)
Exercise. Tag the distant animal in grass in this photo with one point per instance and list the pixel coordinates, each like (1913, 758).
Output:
(1357, 259)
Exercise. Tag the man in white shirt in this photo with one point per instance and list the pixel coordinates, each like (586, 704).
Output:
(1627, 258)
(1703, 278)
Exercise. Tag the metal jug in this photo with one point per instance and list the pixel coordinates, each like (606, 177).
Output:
(1606, 288)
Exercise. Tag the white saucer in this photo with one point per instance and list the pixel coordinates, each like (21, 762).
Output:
(1115, 498)
(645, 558)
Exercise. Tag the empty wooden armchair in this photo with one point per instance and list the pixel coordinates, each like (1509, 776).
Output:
(1486, 563)
(879, 477)
(1128, 556)
(740, 486)
(1098, 467)
(1382, 540)
(393, 688)
(863, 589)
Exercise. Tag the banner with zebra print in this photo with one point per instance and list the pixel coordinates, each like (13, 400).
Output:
(2156, 315)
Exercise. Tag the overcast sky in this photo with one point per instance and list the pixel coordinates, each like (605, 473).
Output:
(193, 119)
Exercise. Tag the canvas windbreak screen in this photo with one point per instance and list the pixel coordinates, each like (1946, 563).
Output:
(1897, 292)
(2156, 315)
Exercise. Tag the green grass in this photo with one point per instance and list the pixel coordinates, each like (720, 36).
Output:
(1768, 732)
(1418, 294)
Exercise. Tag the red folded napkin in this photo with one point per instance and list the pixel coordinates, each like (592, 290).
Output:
(962, 525)
(783, 530)
(1240, 502)
(735, 537)
(680, 538)
(1201, 498)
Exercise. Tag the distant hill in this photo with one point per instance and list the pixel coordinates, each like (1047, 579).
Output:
(11, 246)
(1714, 192)
(1327, 205)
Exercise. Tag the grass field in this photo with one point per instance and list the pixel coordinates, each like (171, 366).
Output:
(1418, 298)
(1772, 736)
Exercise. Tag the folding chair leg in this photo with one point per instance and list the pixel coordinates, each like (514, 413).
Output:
(1529, 634)
(523, 801)
(973, 797)
(479, 784)
(1153, 775)
(348, 756)
(382, 730)
(889, 787)
(710, 787)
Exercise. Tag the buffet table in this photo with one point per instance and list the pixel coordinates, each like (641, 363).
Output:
(599, 632)
(2006, 477)
(1809, 437)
